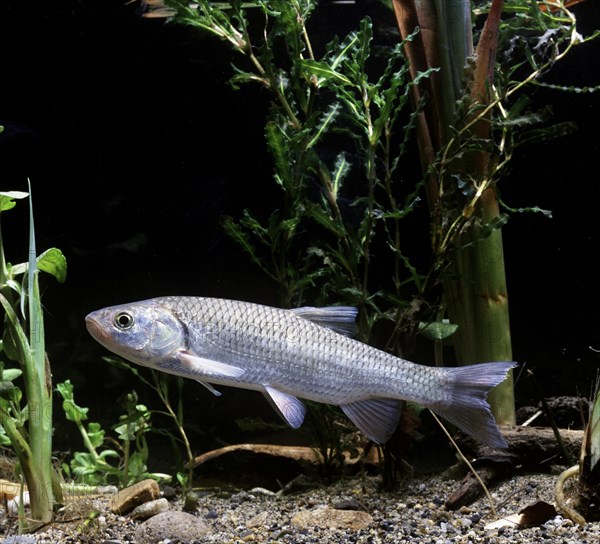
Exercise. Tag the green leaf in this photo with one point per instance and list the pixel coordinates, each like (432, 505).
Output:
(182, 478)
(323, 71)
(324, 218)
(242, 77)
(108, 453)
(10, 374)
(7, 197)
(10, 345)
(65, 389)
(437, 330)
(325, 121)
(83, 462)
(4, 439)
(95, 433)
(137, 468)
(53, 262)
(340, 172)
(7, 389)
(73, 412)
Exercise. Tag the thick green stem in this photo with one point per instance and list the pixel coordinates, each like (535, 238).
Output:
(477, 300)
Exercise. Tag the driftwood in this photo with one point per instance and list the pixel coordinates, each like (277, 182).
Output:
(296, 453)
(528, 447)
(539, 444)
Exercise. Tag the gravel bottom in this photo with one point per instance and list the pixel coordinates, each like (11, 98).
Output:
(415, 514)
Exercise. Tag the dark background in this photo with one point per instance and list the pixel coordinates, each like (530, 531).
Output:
(136, 148)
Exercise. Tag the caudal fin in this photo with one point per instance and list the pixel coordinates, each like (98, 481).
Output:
(467, 406)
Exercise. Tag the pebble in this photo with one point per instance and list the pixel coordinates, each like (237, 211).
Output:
(150, 508)
(410, 514)
(261, 519)
(172, 526)
(325, 517)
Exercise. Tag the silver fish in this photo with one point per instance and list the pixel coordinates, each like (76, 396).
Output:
(290, 354)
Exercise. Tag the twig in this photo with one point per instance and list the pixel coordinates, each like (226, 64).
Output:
(471, 468)
(550, 417)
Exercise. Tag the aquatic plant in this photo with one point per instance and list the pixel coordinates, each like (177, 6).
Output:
(162, 384)
(128, 451)
(26, 410)
(336, 134)
(472, 122)
(583, 505)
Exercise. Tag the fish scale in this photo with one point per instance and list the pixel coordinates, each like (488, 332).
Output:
(288, 355)
(328, 354)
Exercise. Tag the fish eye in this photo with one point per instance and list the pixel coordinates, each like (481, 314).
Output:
(124, 320)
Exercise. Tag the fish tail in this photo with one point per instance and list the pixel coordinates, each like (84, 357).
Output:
(466, 404)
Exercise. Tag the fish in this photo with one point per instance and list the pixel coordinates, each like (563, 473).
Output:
(293, 354)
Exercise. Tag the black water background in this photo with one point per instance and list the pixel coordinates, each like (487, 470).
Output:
(137, 147)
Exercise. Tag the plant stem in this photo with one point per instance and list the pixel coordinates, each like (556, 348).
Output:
(162, 389)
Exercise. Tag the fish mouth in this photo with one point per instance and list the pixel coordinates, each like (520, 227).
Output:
(96, 330)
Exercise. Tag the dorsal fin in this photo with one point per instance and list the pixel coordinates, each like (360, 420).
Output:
(341, 319)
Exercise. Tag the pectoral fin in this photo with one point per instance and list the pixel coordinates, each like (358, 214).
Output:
(193, 365)
(377, 418)
(291, 409)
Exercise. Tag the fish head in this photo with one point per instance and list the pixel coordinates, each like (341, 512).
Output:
(142, 332)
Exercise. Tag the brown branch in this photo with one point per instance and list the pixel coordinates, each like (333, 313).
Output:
(428, 133)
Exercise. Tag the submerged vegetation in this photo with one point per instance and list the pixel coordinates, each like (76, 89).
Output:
(26, 408)
(124, 462)
(336, 134)
(338, 127)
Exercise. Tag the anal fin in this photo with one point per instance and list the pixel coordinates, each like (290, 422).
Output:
(376, 418)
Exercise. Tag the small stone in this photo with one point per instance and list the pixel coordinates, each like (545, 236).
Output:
(173, 525)
(466, 522)
(130, 497)
(211, 514)
(326, 517)
(475, 517)
(169, 492)
(150, 508)
(259, 520)
(347, 504)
